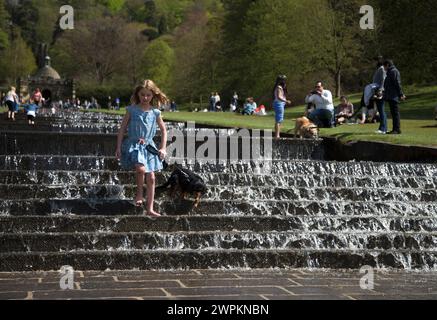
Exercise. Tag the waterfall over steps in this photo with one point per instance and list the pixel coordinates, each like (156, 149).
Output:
(64, 200)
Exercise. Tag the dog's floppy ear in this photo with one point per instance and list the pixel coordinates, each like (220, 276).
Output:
(308, 130)
(199, 186)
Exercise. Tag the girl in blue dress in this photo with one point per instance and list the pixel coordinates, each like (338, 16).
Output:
(279, 102)
(141, 121)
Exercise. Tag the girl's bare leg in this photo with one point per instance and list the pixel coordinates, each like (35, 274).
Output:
(140, 171)
(150, 180)
(277, 130)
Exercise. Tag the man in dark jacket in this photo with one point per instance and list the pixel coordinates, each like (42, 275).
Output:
(393, 93)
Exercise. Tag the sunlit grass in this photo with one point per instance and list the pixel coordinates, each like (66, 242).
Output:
(417, 114)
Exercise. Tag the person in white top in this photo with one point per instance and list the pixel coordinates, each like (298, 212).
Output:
(234, 102)
(12, 101)
(323, 115)
(218, 102)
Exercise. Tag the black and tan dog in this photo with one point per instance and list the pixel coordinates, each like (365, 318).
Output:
(186, 182)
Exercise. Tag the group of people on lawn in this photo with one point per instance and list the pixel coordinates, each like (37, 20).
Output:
(385, 87)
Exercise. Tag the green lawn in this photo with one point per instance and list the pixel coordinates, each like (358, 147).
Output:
(417, 114)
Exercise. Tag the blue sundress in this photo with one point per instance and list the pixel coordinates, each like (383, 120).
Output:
(142, 125)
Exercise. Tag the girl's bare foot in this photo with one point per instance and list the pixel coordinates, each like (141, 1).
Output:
(139, 200)
(153, 214)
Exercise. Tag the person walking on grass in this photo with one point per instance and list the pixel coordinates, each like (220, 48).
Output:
(393, 93)
(141, 120)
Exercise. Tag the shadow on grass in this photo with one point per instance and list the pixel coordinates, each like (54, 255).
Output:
(429, 127)
(348, 135)
(418, 106)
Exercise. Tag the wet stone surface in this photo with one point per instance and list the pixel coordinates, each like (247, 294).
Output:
(259, 284)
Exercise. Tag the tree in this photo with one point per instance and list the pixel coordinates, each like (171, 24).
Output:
(277, 34)
(158, 63)
(114, 5)
(188, 45)
(162, 26)
(151, 17)
(48, 13)
(96, 48)
(173, 11)
(211, 54)
(339, 37)
(4, 26)
(407, 36)
(235, 43)
(137, 43)
(17, 60)
(25, 15)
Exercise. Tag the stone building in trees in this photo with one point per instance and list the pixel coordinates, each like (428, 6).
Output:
(48, 80)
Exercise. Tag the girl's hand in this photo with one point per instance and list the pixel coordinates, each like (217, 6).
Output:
(118, 153)
(162, 154)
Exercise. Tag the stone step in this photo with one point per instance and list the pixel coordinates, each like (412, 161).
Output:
(248, 193)
(46, 118)
(218, 259)
(46, 224)
(221, 179)
(82, 143)
(75, 163)
(299, 167)
(206, 240)
(222, 207)
(44, 126)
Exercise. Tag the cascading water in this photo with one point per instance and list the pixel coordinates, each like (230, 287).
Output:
(68, 202)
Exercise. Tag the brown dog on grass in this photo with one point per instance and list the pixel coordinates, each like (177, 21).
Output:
(306, 129)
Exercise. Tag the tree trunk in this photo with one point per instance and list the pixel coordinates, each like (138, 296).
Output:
(338, 84)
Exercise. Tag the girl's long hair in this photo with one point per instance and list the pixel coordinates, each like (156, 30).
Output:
(280, 81)
(159, 98)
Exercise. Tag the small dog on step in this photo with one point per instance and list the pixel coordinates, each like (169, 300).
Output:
(186, 182)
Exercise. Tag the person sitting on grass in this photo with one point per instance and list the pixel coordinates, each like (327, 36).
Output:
(345, 110)
(369, 115)
(249, 106)
(260, 111)
(323, 116)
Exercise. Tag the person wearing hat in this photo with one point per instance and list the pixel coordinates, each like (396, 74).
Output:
(279, 102)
